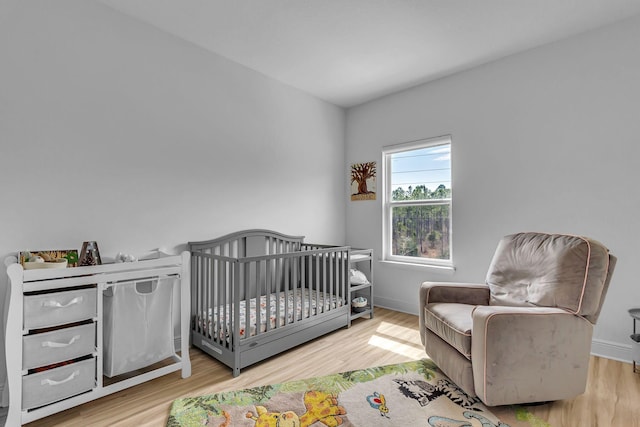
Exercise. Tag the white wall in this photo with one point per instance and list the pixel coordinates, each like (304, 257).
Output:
(546, 140)
(113, 131)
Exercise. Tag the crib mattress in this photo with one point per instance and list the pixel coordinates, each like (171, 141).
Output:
(299, 302)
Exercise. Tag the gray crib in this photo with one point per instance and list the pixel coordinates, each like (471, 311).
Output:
(256, 293)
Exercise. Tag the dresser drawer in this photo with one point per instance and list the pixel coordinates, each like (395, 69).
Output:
(58, 346)
(58, 383)
(58, 308)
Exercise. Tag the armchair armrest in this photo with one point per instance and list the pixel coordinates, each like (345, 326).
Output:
(461, 293)
(529, 354)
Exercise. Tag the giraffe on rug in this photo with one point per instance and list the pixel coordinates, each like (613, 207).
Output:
(322, 407)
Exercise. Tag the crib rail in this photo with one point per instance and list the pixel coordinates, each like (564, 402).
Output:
(247, 243)
(293, 282)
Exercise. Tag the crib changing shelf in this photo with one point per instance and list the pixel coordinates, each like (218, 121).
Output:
(54, 341)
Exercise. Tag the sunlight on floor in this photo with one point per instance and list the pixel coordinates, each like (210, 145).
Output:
(397, 329)
(396, 347)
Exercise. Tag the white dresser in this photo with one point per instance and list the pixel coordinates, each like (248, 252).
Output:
(54, 334)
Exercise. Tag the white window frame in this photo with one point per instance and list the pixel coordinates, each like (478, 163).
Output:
(388, 204)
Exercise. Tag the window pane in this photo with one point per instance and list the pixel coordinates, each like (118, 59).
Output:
(421, 231)
(424, 173)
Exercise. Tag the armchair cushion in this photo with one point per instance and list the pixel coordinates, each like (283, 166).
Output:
(550, 270)
(452, 322)
(462, 293)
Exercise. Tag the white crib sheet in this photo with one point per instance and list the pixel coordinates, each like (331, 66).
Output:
(300, 296)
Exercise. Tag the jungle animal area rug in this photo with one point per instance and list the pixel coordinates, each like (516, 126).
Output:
(404, 395)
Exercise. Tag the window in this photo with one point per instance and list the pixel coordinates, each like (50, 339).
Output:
(417, 202)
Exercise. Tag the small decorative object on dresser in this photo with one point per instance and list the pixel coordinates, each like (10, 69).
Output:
(90, 254)
(58, 258)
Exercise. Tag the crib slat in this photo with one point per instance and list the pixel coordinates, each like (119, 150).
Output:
(225, 301)
(207, 289)
(334, 281)
(212, 300)
(218, 301)
(245, 299)
(207, 294)
(201, 297)
(298, 282)
(287, 283)
(312, 282)
(304, 272)
(260, 286)
(213, 308)
(278, 284)
(318, 278)
(237, 278)
(267, 293)
(315, 279)
(326, 297)
(326, 284)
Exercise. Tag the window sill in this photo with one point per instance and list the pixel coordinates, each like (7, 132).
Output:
(448, 270)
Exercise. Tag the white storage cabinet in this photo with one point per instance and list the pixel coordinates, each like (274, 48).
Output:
(55, 326)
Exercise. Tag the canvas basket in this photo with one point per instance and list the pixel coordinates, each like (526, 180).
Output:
(138, 329)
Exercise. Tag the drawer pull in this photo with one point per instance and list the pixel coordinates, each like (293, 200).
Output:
(66, 380)
(60, 344)
(57, 304)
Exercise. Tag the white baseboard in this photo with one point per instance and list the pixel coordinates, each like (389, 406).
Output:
(395, 305)
(601, 348)
(612, 350)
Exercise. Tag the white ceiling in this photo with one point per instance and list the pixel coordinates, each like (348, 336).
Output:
(351, 51)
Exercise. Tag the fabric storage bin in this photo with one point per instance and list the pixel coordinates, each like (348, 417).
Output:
(58, 383)
(58, 308)
(138, 329)
(58, 346)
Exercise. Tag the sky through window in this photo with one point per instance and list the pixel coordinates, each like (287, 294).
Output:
(429, 166)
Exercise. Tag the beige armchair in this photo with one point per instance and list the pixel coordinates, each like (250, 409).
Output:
(525, 335)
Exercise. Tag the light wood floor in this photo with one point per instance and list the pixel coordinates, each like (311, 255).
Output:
(612, 397)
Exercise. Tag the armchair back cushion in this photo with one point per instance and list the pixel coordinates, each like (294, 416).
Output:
(550, 270)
